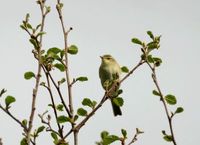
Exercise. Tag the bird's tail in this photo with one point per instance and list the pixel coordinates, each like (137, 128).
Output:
(116, 109)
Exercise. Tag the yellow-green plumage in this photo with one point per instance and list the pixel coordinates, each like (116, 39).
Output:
(110, 71)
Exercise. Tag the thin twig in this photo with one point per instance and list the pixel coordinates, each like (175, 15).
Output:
(47, 123)
(13, 117)
(154, 77)
(122, 142)
(59, 92)
(134, 139)
(35, 90)
(53, 105)
(65, 34)
(69, 87)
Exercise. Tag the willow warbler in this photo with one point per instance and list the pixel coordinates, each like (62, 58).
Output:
(109, 73)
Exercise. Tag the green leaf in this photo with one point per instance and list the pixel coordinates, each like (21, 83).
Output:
(143, 57)
(73, 49)
(61, 81)
(42, 84)
(59, 6)
(62, 53)
(54, 50)
(94, 103)
(27, 17)
(164, 132)
(120, 91)
(33, 42)
(81, 112)
(110, 139)
(179, 110)
(87, 102)
(168, 138)
(118, 101)
(23, 27)
(75, 118)
(171, 99)
(28, 75)
(51, 56)
(157, 61)
(9, 100)
(40, 129)
(41, 33)
(124, 133)
(54, 136)
(24, 122)
(38, 26)
(137, 41)
(63, 119)
(124, 69)
(2, 92)
(150, 59)
(104, 134)
(50, 105)
(157, 39)
(156, 93)
(48, 9)
(63, 143)
(152, 45)
(60, 66)
(81, 79)
(59, 107)
(150, 34)
(29, 26)
(23, 142)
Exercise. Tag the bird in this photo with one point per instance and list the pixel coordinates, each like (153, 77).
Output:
(109, 73)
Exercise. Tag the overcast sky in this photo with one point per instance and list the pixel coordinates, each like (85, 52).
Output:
(106, 27)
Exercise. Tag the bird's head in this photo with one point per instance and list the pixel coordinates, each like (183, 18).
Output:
(107, 59)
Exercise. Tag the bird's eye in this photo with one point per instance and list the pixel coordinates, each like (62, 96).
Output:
(108, 58)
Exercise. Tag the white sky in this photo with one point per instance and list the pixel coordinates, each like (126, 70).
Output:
(102, 27)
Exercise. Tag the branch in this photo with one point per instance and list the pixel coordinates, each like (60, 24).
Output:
(58, 90)
(65, 36)
(47, 122)
(135, 136)
(13, 117)
(53, 105)
(69, 87)
(35, 90)
(154, 77)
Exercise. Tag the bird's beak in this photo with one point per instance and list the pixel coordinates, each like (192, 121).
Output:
(101, 57)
